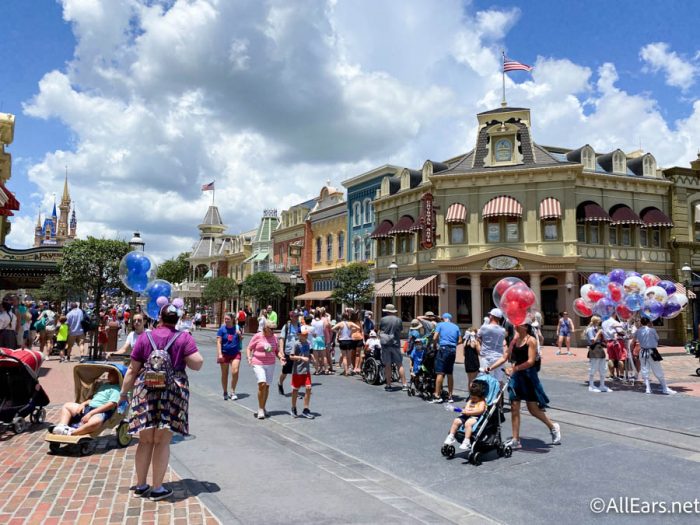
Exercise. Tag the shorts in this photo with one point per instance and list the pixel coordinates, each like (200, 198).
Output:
(301, 380)
(61, 345)
(25, 334)
(391, 355)
(264, 373)
(445, 360)
(359, 343)
(75, 420)
(616, 351)
(287, 366)
(464, 420)
(471, 360)
(347, 344)
(226, 359)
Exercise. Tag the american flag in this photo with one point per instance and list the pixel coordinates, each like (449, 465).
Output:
(512, 65)
(208, 187)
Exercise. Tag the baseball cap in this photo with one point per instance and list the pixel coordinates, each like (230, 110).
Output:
(372, 333)
(496, 312)
(447, 315)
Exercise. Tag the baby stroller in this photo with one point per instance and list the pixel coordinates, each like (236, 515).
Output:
(85, 376)
(487, 434)
(423, 380)
(373, 368)
(693, 348)
(21, 394)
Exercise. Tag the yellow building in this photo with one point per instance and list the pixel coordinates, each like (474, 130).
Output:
(8, 202)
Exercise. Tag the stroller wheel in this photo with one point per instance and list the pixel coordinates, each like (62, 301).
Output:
(84, 448)
(54, 447)
(38, 416)
(19, 425)
(697, 371)
(123, 436)
(508, 452)
(443, 450)
(501, 451)
(476, 459)
(450, 451)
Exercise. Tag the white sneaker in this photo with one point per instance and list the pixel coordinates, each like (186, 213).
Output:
(514, 444)
(261, 414)
(233, 397)
(593, 389)
(606, 389)
(465, 445)
(450, 440)
(436, 400)
(669, 392)
(556, 434)
(59, 430)
(647, 391)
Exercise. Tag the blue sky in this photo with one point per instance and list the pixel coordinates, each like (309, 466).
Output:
(246, 92)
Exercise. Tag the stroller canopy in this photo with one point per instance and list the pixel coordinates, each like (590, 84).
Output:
(31, 358)
(494, 387)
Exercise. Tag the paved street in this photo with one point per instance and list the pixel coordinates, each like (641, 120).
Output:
(373, 457)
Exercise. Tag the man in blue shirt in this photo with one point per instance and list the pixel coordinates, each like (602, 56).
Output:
(448, 336)
(76, 335)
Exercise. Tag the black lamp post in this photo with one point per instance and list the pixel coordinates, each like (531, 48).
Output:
(687, 274)
(136, 244)
(394, 268)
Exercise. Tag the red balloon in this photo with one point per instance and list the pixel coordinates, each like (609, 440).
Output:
(595, 295)
(581, 308)
(650, 279)
(623, 312)
(503, 285)
(519, 294)
(615, 291)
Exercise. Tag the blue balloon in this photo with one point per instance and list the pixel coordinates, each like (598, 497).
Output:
(652, 309)
(604, 308)
(159, 288)
(136, 270)
(598, 280)
(617, 276)
(136, 282)
(668, 286)
(634, 301)
(153, 310)
(633, 274)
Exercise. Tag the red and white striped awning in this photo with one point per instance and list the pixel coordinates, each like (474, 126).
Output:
(456, 213)
(382, 231)
(419, 286)
(502, 206)
(550, 208)
(384, 289)
(655, 218)
(404, 225)
(625, 215)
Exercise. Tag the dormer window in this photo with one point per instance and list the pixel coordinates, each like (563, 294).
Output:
(503, 150)
(619, 164)
(588, 159)
(649, 166)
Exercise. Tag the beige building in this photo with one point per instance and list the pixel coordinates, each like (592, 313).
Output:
(510, 206)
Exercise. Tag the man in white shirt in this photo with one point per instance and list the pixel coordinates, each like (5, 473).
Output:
(492, 337)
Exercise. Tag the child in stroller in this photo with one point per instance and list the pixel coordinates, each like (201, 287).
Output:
(21, 395)
(423, 370)
(484, 434)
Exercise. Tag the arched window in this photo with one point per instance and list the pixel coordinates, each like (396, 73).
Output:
(619, 165)
(368, 248)
(367, 205)
(649, 166)
(357, 249)
(357, 214)
(318, 249)
(341, 245)
(588, 158)
(329, 247)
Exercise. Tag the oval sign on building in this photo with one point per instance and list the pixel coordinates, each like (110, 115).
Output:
(502, 262)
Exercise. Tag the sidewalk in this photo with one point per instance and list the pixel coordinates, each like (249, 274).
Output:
(42, 488)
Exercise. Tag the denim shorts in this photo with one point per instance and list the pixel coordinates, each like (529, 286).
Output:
(445, 360)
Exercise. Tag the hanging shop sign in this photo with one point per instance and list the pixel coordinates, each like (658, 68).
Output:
(427, 221)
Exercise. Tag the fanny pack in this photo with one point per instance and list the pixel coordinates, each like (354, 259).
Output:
(596, 351)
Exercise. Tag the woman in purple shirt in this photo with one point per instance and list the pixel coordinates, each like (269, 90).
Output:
(158, 412)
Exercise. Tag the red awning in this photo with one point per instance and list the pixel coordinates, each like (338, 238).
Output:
(591, 212)
(625, 215)
(382, 231)
(550, 208)
(403, 226)
(456, 213)
(502, 206)
(11, 204)
(655, 218)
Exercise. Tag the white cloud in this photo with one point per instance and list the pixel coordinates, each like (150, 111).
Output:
(658, 57)
(273, 98)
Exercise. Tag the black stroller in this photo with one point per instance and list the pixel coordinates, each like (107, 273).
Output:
(423, 379)
(373, 368)
(21, 395)
(487, 435)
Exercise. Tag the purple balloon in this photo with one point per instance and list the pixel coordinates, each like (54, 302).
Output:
(671, 310)
(617, 276)
(632, 274)
(652, 309)
(604, 308)
(668, 286)
(598, 280)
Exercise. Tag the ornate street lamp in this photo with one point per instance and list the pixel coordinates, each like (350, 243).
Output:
(394, 269)
(293, 287)
(687, 275)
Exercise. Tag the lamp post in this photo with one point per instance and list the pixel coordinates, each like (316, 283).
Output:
(394, 268)
(136, 244)
(293, 287)
(687, 274)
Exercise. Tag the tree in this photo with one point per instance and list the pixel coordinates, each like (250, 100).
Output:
(175, 270)
(54, 289)
(263, 287)
(352, 285)
(218, 290)
(91, 266)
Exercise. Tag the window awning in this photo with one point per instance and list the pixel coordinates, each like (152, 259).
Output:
(420, 286)
(655, 218)
(208, 275)
(550, 208)
(502, 206)
(12, 202)
(315, 296)
(378, 287)
(261, 256)
(456, 213)
(624, 215)
(591, 212)
(382, 231)
(403, 226)
(386, 290)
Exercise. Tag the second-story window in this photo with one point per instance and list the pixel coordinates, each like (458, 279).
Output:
(341, 245)
(329, 247)
(318, 249)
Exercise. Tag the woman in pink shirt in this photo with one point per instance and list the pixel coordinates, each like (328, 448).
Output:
(261, 353)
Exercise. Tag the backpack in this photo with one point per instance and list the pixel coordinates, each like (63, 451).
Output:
(158, 368)
(40, 324)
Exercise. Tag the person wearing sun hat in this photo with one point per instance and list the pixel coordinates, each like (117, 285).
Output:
(390, 328)
(447, 336)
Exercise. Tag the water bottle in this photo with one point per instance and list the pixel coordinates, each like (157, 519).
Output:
(451, 408)
(123, 405)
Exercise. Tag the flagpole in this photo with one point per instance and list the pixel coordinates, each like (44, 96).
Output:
(503, 77)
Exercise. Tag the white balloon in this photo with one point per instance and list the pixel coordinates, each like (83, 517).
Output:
(657, 293)
(679, 298)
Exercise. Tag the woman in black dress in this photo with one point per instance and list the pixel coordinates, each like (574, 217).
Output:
(524, 383)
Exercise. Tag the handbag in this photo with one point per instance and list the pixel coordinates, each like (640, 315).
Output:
(655, 355)
(596, 351)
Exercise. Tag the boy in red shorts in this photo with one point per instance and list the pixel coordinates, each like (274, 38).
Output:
(301, 372)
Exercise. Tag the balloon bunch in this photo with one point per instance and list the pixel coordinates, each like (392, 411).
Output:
(628, 293)
(515, 299)
(137, 271)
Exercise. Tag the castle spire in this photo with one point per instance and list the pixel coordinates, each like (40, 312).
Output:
(53, 213)
(66, 196)
(38, 220)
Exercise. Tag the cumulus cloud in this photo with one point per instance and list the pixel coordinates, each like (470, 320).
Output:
(273, 98)
(658, 57)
